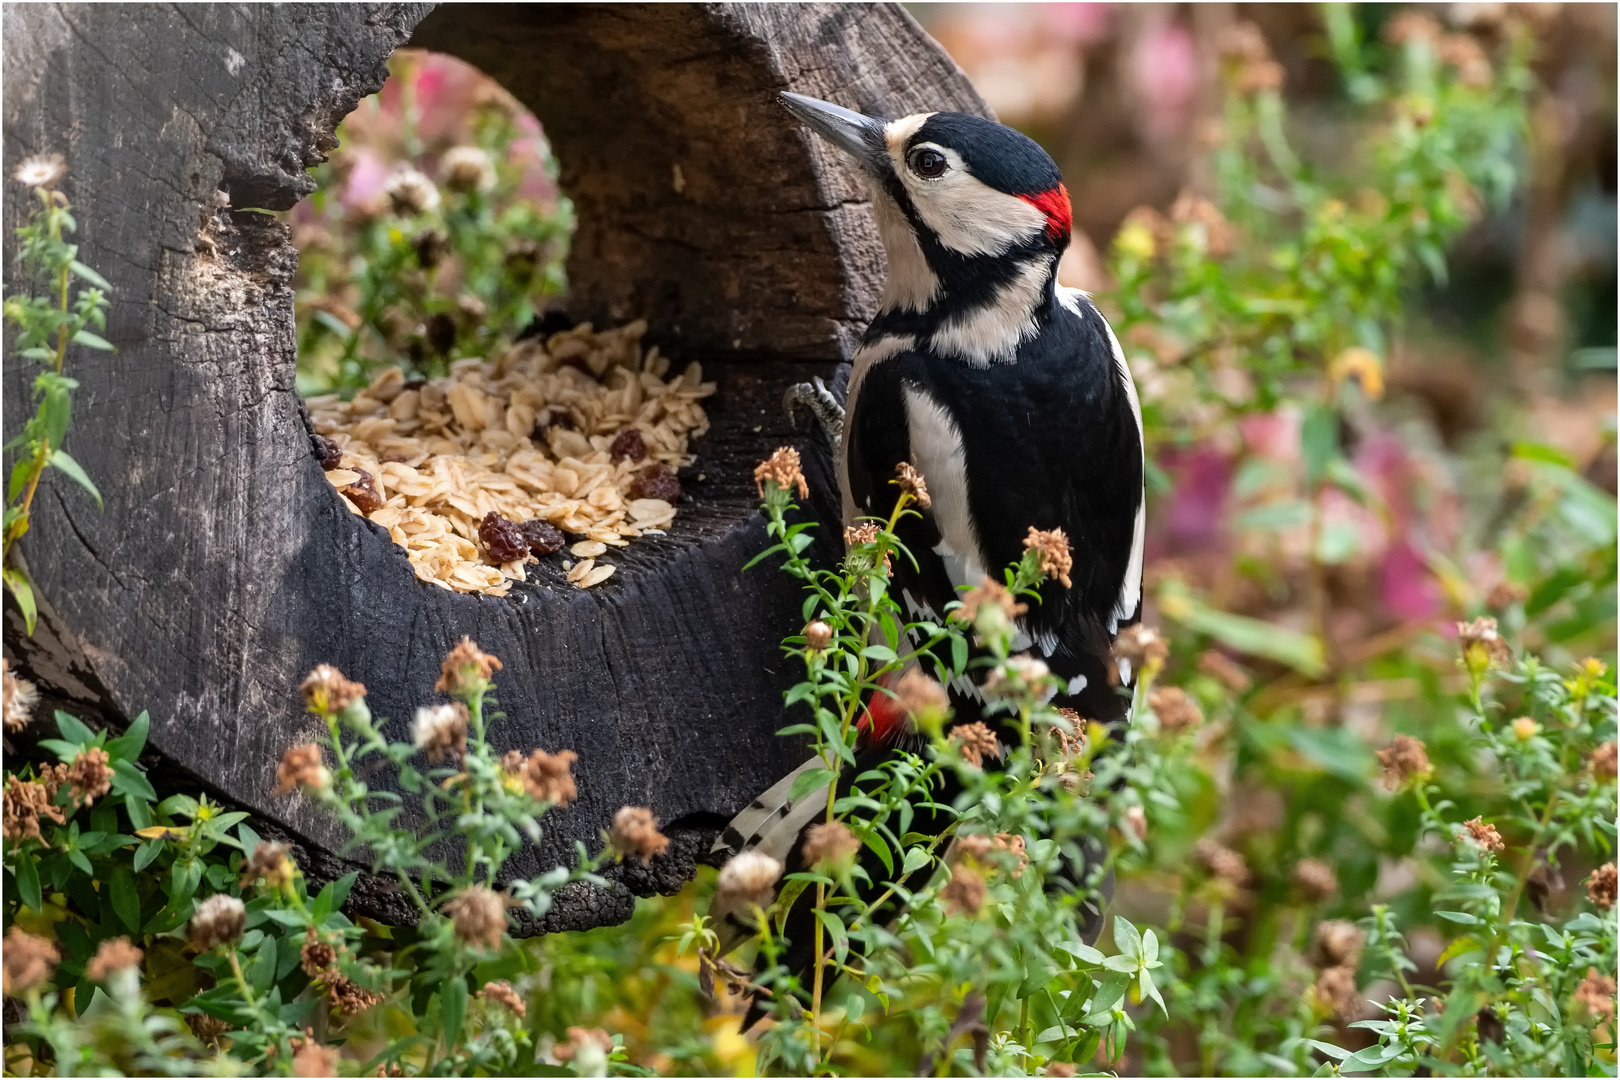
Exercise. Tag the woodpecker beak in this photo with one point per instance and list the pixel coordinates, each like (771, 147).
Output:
(861, 137)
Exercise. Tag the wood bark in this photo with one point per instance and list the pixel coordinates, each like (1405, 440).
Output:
(224, 566)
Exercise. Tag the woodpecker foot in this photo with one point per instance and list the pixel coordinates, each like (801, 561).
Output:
(815, 396)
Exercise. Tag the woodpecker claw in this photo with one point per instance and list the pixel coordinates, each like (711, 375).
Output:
(815, 397)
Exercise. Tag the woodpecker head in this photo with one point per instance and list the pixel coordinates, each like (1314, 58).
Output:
(961, 201)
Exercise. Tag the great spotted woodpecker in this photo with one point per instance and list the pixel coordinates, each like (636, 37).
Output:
(1006, 390)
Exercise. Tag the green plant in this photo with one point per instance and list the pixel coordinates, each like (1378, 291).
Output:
(47, 313)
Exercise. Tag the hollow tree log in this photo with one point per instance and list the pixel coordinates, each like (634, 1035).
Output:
(224, 566)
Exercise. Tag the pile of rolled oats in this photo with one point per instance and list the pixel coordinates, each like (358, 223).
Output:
(475, 473)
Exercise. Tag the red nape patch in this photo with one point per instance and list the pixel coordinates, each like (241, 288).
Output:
(883, 721)
(1055, 205)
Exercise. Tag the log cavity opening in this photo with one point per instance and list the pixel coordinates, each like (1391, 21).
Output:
(456, 403)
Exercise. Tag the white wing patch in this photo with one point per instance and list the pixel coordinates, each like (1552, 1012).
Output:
(868, 354)
(936, 447)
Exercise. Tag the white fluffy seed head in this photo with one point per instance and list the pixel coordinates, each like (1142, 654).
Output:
(750, 877)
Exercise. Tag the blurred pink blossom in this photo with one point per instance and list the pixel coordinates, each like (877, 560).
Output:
(366, 178)
(1164, 73)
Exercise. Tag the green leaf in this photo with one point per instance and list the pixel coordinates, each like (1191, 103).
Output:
(1127, 939)
(1459, 917)
(1300, 651)
(1319, 441)
(139, 811)
(56, 408)
(27, 873)
(83, 271)
(1082, 952)
(322, 906)
(73, 730)
(452, 1010)
(1338, 1053)
(92, 341)
(126, 901)
(916, 859)
(63, 463)
(808, 781)
(17, 584)
(129, 780)
(340, 888)
(263, 972)
(130, 744)
(146, 853)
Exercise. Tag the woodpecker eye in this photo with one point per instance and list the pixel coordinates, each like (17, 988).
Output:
(929, 164)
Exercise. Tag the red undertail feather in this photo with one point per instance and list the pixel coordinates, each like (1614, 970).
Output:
(883, 721)
(1055, 205)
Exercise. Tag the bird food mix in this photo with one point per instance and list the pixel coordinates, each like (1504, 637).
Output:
(478, 472)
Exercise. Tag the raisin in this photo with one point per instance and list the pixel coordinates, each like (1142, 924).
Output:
(656, 481)
(544, 538)
(364, 494)
(441, 333)
(629, 444)
(503, 538)
(326, 452)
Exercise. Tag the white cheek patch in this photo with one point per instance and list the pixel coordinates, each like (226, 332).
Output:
(966, 214)
(911, 285)
(994, 332)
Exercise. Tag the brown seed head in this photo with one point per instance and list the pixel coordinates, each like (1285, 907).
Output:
(912, 483)
(1404, 760)
(548, 777)
(349, 997)
(1604, 761)
(327, 690)
(206, 1028)
(1338, 943)
(440, 731)
(975, 742)
(316, 956)
(1018, 675)
(635, 832)
(1483, 834)
(1263, 75)
(1141, 647)
(310, 1058)
(479, 915)
(1336, 988)
(1135, 819)
(1243, 41)
(1052, 554)
(1315, 880)
(1410, 26)
(89, 777)
(817, 635)
(830, 844)
(410, 193)
(270, 864)
(219, 920)
(302, 766)
(25, 802)
(466, 669)
(920, 695)
(1505, 594)
(1061, 1068)
(27, 961)
(1482, 646)
(1221, 668)
(1596, 995)
(1175, 708)
(965, 893)
(990, 597)
(1013, 845)
(18, 697)
(1602, 886)
(782, 469)
(1222, 862)
(749, 878)
(1463, 53)
(467, 168)
(580, 1039)
(501, 991)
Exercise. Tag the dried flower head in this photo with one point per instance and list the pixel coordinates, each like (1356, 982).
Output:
(302, 766)
(817, 635)
(468, 168)
(1603, 885)
(1525, 729)
(1018, 675)
(1221, 668)
(975, 742)
(1338, 943)
(830, 844)
(349, 997)
(1137, 648)
(1336, 989)
(1412, 26)
(635, 832)
(912, 483)
(466, 670)
(1482, 646)
(269, 863)
(440, 731)
(920, 696)
(1315, 880)
(40, 171)
(1404, 759)
(328, 691)
(1505, 594)
(310, 1058)
(1222, 862)
(479, 916)
(410, 193)
(965, 893)
(1596, 995)
(782, 469)
(114, 954)
(25, 802)
(1604, 763)
(1243, 41)
(219, 920)
(1135, 820)
(748, 878)
(316, 956)
(1483, 834)
(548, 777)
(1175, 708)
(1061, 1068)
(27, 961)
(18, 697)
(89, 777)
(583, 1041)
(1264, 75)
(1013, 845)
(1052, 554)
(1463, 53)
(206, 1028)
(501, 991)
(991, 608)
